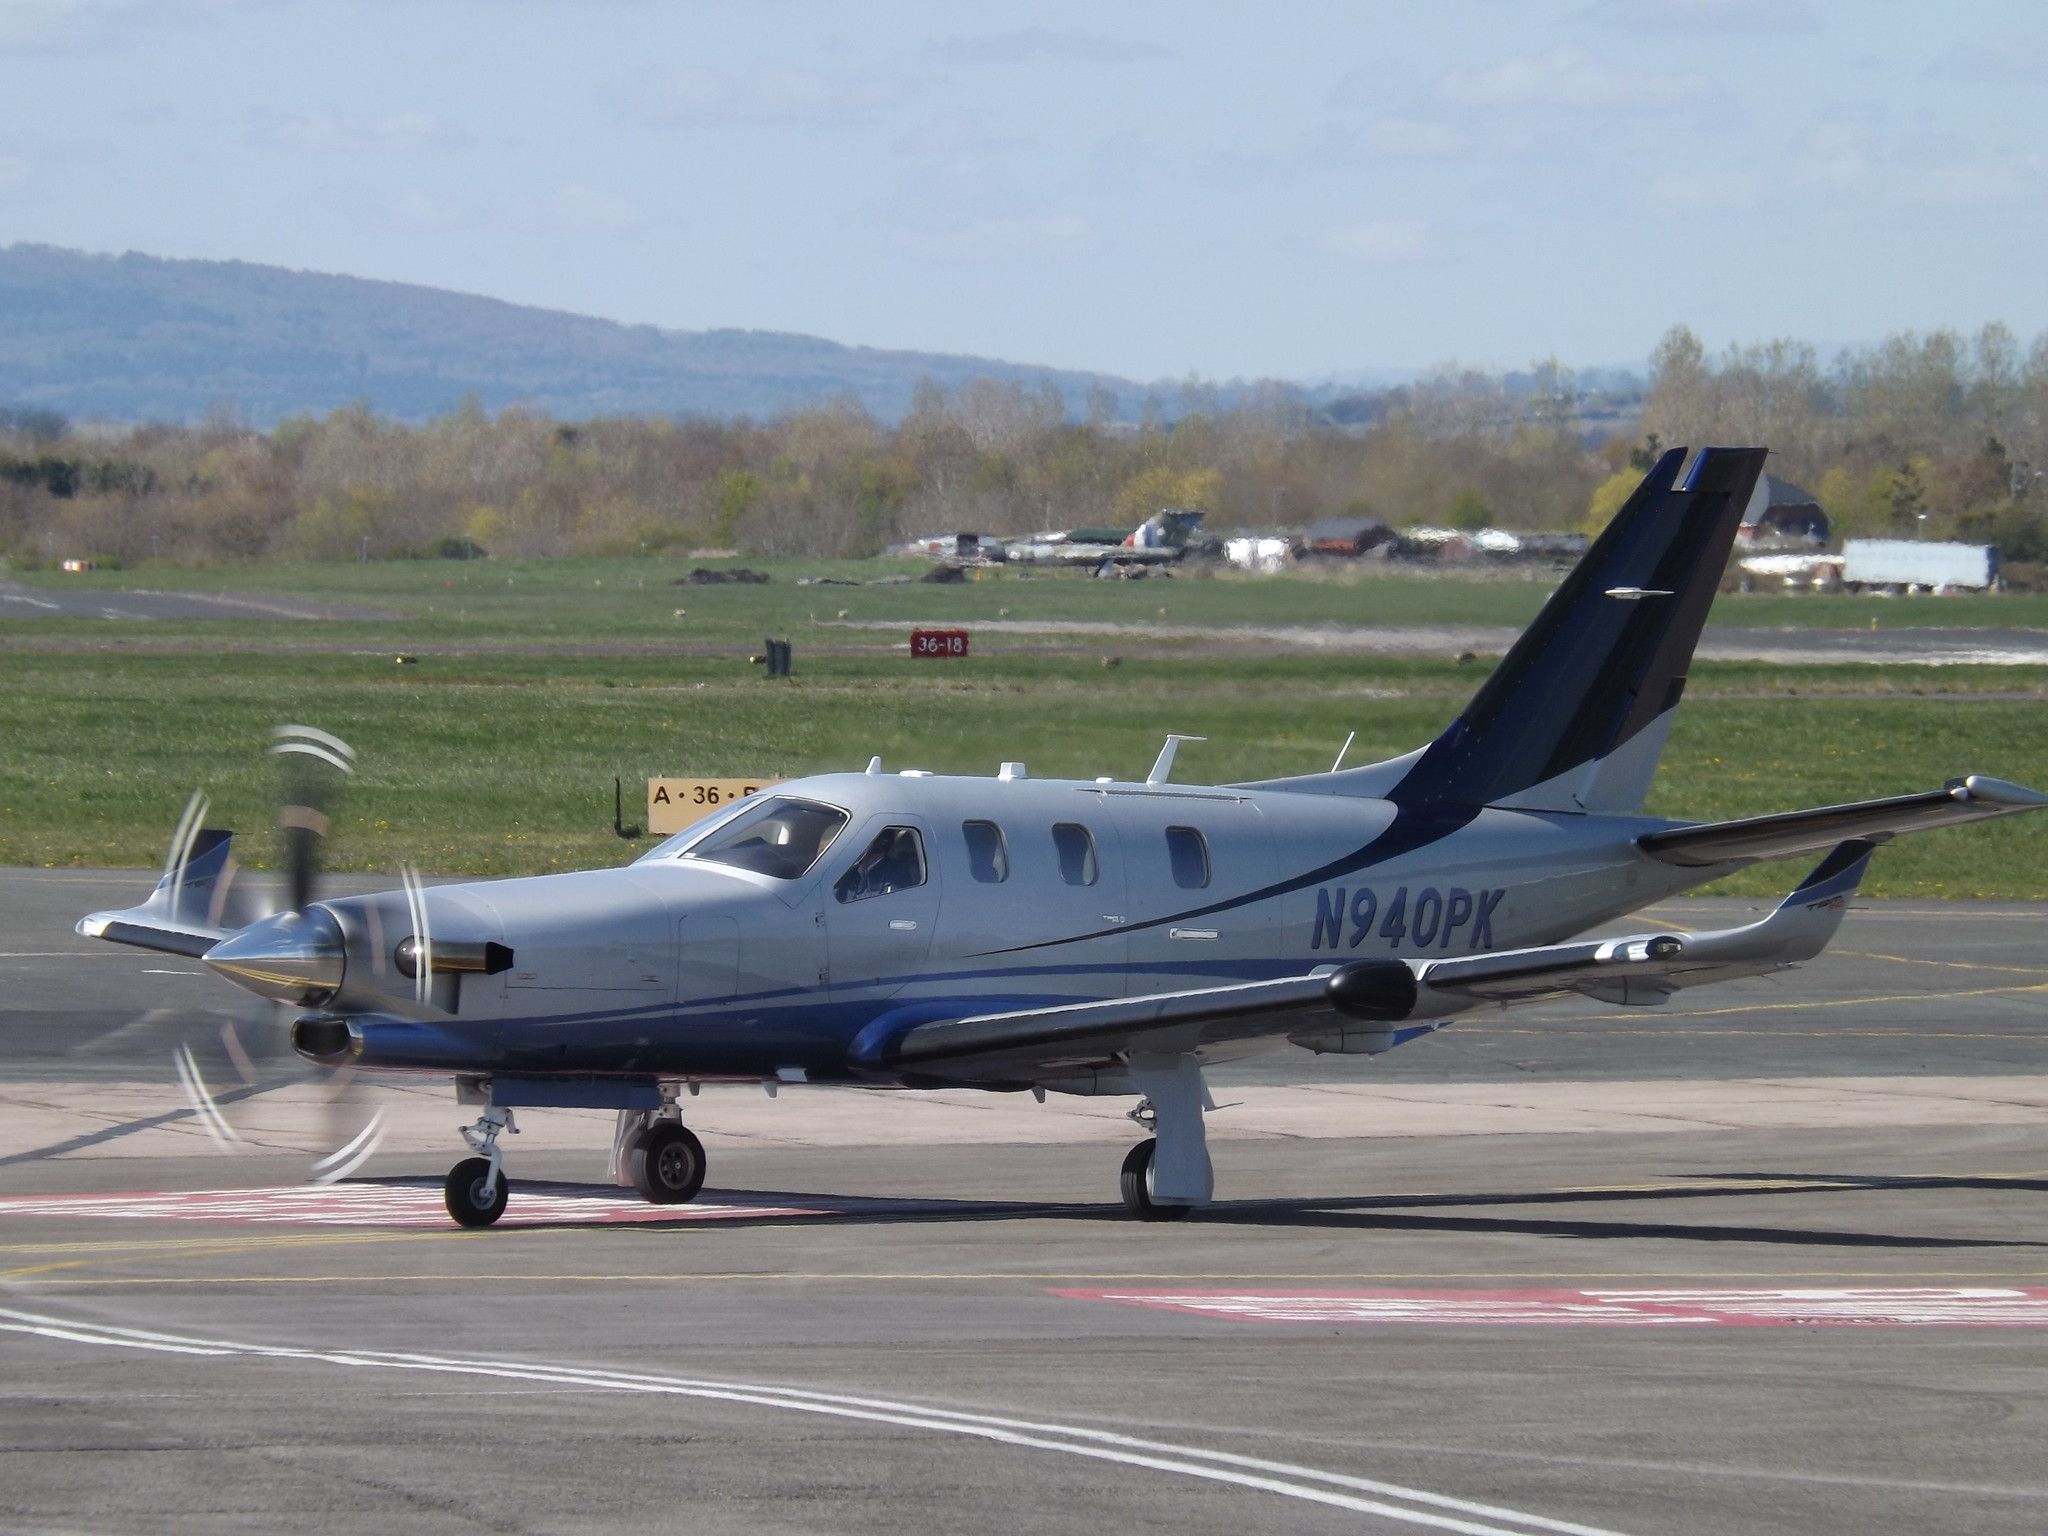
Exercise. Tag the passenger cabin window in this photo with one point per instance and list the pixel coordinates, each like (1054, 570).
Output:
(1076, 845)
(779, 836)
(1189, 854)
(894, 861)
(988, 857)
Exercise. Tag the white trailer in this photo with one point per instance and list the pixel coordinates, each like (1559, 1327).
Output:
(1917, 565)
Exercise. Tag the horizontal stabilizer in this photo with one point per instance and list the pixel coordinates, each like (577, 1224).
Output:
(1793, 832)
(189, 911)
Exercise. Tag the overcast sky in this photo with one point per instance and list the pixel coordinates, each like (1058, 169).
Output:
(1273, 189)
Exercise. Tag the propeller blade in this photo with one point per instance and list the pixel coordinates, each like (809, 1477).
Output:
(314, 763)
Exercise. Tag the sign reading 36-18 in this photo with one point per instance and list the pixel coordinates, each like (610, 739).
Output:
(672, 804)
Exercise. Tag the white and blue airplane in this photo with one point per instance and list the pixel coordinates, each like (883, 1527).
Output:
(908, 930)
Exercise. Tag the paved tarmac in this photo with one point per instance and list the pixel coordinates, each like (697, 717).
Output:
(1774, 1262)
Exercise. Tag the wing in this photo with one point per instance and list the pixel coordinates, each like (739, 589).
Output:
(1792, 832)
(1366, 1007)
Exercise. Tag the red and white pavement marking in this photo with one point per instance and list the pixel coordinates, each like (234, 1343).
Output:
(1859, 1307)
(379, 1205)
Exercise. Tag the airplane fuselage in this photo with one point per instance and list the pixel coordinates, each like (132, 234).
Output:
(1028, 893)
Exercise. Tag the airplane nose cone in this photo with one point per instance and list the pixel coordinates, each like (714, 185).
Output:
(294, 957)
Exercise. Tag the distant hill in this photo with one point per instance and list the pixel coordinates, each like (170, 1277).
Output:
(134, 338)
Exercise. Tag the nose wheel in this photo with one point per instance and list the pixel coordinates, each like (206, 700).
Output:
(475, 1193)
(476, 1188)
(666, 1163)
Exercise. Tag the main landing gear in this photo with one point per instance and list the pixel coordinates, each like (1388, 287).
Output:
(476, 1189)
(1169, 1175)
(666, 1163)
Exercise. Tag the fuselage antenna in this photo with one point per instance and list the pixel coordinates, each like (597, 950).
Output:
(1162, 766)
(1342, 750)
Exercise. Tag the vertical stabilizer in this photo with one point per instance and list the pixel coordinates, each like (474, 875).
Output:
(1575, 715)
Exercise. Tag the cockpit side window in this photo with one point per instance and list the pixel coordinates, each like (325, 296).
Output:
(780, 837)
(894, 861)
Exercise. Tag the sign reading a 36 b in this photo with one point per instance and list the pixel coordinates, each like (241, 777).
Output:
(672, 804)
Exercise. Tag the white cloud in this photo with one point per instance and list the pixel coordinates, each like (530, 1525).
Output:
(1381, 240)
(82, 26)
(1699, 190)
(576, 206)
(332, 132)
(1049, 237)
(697, 97)
(54, 26)
(1564, 78)
(424, 212)
(1857, 165)
(2005, 62)
(1705, 17)
(1062, 46)
(1413, 138)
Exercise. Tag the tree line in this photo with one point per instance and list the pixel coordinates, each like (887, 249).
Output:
(1932, 434)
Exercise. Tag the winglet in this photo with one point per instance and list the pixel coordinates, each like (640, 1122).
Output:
(1804, 921)
(1834, 880)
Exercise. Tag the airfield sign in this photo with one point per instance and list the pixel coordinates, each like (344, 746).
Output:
(672, 804)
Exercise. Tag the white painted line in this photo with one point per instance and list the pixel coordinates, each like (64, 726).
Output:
(385, 1205)
(1704, 1307)
(1418, 1507)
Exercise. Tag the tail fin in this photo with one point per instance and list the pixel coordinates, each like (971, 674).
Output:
(1574, 717)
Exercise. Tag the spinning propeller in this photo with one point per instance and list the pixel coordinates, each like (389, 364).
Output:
(286, 949)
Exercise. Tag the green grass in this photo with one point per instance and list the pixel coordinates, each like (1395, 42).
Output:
(499, 764)
(493, 761)
(626, 602)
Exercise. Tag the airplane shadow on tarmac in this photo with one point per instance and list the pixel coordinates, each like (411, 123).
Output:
(1388, 1213)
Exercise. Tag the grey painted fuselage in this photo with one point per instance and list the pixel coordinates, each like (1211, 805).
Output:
(677, 966)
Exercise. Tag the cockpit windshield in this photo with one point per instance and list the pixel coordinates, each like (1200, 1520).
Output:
(780, 837)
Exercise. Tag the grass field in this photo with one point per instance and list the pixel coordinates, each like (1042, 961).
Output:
(628, 602)
(492, 763)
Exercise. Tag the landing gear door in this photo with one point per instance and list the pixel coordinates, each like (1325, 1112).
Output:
(881, 902)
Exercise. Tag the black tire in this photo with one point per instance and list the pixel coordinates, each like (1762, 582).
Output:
(666, 1163)
(464, 1193)
(1136, 1183)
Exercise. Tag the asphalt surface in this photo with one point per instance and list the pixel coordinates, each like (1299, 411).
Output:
(909, 1338)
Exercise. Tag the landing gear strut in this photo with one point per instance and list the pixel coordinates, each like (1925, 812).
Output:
(476, 1189)
(1168, 1176)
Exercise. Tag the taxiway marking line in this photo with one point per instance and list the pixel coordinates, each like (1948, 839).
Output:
(1367, 1496)
(1814, 1004)
(755, 1277)
(1953, 965)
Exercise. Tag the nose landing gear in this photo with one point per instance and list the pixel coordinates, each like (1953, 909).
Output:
(477, 1189)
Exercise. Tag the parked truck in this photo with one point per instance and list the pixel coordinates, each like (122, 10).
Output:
(1917, 565)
